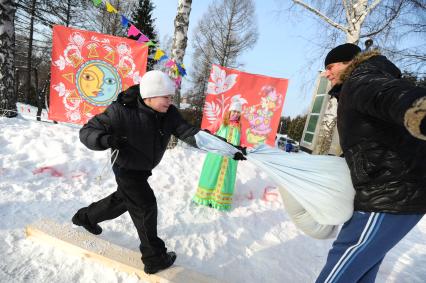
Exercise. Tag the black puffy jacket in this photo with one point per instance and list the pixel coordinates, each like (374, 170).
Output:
(148, 132)
(387, 164)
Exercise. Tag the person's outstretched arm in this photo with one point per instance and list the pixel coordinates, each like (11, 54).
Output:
(389, 99)
(97, 133)
(200, 139)
(415, 118)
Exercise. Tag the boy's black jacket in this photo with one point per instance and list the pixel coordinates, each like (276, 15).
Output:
(147, 131)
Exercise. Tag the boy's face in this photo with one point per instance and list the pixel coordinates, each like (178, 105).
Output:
(334, 70)
(159, 103)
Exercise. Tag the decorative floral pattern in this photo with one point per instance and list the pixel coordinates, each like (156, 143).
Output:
(219, 84)
(261, 105)
(260, 116)
(220, 81)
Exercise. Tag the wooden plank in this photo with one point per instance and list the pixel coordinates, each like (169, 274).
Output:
(84, 244)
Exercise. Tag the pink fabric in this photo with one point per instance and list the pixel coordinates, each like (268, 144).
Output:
(48, 169)
(143, 38)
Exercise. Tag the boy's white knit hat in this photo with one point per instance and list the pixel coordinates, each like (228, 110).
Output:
(156, 83)
(236, 106)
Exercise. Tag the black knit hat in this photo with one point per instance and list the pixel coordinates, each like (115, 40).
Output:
(342, 53)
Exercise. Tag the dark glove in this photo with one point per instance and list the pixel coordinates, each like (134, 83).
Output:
(117, 142)
(239, 156)
(243, 149)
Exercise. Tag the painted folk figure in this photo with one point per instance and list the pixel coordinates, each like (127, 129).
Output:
(217, 180)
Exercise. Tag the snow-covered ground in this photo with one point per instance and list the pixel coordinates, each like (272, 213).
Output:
(45, 172)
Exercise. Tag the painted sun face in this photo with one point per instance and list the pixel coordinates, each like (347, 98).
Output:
(109, 82)
(98, 82)
(90, 80)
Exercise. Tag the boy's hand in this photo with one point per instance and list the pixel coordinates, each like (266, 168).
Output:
(117, 142)
(239, 156)
(243, 149)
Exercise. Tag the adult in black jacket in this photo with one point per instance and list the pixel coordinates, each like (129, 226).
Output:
(139, 125)
(382, 130)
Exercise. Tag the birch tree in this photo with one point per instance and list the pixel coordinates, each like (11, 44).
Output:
(355, 13)
(390, 23)
(180, 38)
(7, 66)
(226, 30)
(386, 21)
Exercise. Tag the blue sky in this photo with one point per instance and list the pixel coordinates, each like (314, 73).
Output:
(279, 52)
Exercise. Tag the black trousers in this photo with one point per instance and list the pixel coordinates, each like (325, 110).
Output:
(135, 196)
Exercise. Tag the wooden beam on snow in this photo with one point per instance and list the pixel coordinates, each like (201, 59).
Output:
(86, 245)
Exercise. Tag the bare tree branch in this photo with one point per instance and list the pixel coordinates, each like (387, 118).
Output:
(346, 7)
(372, 6)
(321, 15)
(387, 23)
(227, 29)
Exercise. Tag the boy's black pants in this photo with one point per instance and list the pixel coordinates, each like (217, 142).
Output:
(135, 196)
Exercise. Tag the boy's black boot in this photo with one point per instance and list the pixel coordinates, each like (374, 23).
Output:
(77, 220)
(164, 262)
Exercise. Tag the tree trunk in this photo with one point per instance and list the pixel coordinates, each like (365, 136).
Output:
(67, 22)
(356, 20)
(7, 64)
(30, 52)
(179, 45)
(181, 37)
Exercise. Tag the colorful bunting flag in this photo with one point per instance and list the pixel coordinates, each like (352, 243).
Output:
(111, 8)
(96, 2)
(158, 54)
(133, 31)
(143, 38)
(124, 21)
(164, 57)
(175, 68)
(150, 43)
(181, 70)
(170, 63)
(178, 81)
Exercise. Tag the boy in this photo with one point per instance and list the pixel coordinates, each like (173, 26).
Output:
(139, 125)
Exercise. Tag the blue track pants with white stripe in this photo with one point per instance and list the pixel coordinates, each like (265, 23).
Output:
(362, 244)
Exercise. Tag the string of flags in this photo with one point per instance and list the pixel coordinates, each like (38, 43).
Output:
(176, 70)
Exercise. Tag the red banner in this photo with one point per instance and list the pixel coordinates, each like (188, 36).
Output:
(262, 99)
(88, 71)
